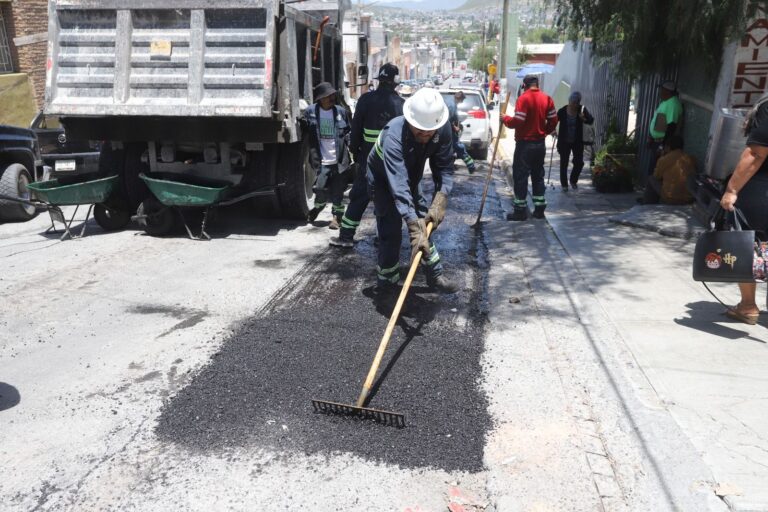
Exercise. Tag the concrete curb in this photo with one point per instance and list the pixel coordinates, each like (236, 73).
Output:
(672, 221)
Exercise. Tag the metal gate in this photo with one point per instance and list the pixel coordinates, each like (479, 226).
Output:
(6, 63)
(605, 91)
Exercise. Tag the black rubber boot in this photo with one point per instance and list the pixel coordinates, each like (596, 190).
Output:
(518, 215)
(342, 241)
(313, 213)
(442, 284)
(386, 289)
(538, 212)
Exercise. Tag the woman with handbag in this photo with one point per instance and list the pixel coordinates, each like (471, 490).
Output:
(747, 190)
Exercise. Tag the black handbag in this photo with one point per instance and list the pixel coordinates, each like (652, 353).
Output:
(725, 256)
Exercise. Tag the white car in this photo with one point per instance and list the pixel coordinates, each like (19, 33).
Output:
(475, 121)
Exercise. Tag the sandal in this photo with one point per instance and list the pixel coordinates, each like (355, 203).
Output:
(747, 318)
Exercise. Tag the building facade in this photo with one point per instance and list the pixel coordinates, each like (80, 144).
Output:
(23, 48)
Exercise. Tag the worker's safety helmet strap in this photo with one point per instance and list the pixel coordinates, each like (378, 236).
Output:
(426, 110)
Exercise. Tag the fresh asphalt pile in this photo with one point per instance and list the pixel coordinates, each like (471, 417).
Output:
(316, 339)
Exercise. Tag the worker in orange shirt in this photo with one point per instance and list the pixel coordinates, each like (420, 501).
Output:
(535, 118)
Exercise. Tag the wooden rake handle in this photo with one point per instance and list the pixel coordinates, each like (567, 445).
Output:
(493, 159)
(391, 325)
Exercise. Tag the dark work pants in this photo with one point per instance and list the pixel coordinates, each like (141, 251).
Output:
(652, 192)
(656, 148)
(461, 151)
(358, 202)
(565, 151)
(528, 160)
(389, 224)
(329, 187)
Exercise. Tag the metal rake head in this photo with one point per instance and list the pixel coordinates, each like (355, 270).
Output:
(389, 418)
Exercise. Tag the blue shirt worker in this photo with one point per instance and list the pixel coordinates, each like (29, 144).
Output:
(328, 155)
(372, 113)
(395, 169)
(453, 118)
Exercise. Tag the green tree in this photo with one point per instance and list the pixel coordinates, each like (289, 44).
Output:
(541, 35)
(651, 35)
(492, 31)
(522, 55)
(482, 57)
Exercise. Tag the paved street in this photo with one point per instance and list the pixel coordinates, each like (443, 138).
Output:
(578, 368)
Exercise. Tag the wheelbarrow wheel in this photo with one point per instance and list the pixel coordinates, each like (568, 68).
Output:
(158, 219)
(109, 219)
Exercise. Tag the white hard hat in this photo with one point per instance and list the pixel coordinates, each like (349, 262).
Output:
(426, 110)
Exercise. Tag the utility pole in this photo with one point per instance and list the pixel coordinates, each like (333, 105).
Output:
(483, 48)
(502, 71)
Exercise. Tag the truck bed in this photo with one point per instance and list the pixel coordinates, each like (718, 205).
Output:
(179, 58)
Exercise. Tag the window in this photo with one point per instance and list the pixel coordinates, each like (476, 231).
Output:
(6, 64)
(471, 102)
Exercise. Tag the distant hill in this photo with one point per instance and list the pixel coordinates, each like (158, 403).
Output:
(424, 5)
(470, 5)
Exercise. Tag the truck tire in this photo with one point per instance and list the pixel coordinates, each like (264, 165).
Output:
(13, 183)
(296, 196)
(109, 219)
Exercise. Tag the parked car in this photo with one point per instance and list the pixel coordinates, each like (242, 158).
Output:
(20, 164)
(475, 120)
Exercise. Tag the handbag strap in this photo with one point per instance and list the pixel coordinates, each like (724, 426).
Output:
(715, 296)
(739, 220)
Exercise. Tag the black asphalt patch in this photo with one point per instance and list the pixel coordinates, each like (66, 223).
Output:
(316, 339)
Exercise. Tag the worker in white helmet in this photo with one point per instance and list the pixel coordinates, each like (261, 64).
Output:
(395, 168)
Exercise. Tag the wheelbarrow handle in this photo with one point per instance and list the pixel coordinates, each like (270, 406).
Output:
(36, 204)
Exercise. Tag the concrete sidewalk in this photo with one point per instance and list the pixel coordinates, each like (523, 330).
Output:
(674, 391)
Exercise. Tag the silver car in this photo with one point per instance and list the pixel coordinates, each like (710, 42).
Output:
(475, 121)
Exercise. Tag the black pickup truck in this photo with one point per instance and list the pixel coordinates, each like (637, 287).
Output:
(70, 160)
(20, 164)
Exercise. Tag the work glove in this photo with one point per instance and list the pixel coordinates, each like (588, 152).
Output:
(417, 231)
(436, 212)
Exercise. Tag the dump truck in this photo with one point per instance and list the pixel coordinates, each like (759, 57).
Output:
(197, 91)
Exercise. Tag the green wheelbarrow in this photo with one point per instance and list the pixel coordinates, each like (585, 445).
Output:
(52, 195)
(156, 213)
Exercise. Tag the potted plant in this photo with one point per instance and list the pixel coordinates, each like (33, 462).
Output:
(615, 164)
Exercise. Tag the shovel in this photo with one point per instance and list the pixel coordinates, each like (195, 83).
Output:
(359, 409)
(493, 160)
